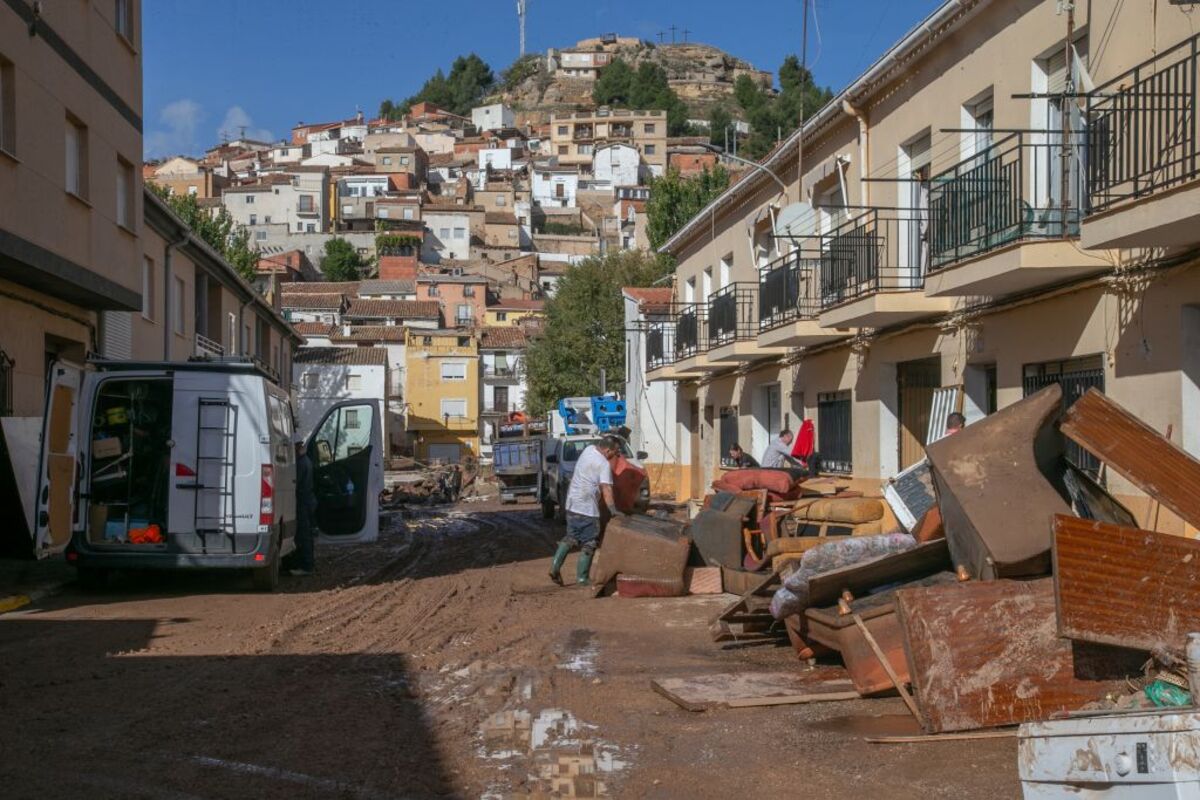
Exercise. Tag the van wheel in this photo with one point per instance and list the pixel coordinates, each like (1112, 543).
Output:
(547, 509)
(93, 579)
(266, 579)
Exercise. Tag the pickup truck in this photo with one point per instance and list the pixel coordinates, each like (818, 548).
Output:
(517, 464)
(561, 453)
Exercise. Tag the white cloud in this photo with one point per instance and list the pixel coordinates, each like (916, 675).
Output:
(179, 122)
(235, 120)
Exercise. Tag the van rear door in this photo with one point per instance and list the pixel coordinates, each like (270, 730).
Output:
(54, 513)
(346, 450)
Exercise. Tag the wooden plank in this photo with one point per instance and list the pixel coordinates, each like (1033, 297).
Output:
(700, 692)
(922, 560)
(1137, 452)
(887, 667)
(1123, 586)
(985, 654)
(1006, 733)
(793, 699)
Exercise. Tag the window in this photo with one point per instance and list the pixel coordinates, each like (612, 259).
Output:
(306, 203)
(464, 313)
(192, 191)
(834, 428)
(443, 233)
(383, 213)
(464, 341)
(562, 130)
(260, 236)
(584, 149)
(563, 149)
(1076, 376)
(468, 291)
(499, 199)
(454, 370)
(433, 292)
(404, 161)
(387, 161)
(125, 210)
(249, 199)
(8, 107)
(254, 219)
(648, 127)
(299, 227)
(77, 157)
(728, 432)
(123, 18)
(177, 306)
(147, 288)
(408, 213)
(310, 228)
(454, 407)
(267, 220)
(460, 233)
(501, 316)
(353, 383)
(352, 421)
(651, 149)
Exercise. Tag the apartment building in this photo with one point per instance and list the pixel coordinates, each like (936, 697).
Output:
(70, 185)
(575, 135)
(183, 175)
(502, 362)
(296, 201)
(462, 297)
(989, 211)
(442, 395)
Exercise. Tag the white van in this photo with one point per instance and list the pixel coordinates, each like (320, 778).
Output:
(169, 465)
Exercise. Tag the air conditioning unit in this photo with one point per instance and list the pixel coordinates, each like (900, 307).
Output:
(456, 271)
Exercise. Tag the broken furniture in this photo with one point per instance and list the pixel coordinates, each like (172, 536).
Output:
(648, 547)
(748, 689)
(718, 530)
(1123, 586)
(985, 654)
(635, 586)
(816, 521)
(998, 482)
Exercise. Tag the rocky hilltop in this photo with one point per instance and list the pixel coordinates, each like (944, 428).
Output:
(702, 75)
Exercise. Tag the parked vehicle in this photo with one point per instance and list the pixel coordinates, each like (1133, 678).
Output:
(517, 464)
(561, 453)
(176, 465)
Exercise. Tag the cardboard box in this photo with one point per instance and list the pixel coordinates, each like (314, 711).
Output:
(106, 448)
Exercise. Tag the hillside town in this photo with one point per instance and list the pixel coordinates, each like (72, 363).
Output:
(631, 421)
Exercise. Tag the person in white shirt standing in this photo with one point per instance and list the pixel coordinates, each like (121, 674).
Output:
(591, 482)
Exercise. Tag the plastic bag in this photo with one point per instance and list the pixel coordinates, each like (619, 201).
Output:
(831, 556)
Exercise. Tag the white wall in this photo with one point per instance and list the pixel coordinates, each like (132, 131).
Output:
(618, 164)
(545, 188)
(441, 240)
(495, 157)
(651, 407)
(331, 387)
(491, 117)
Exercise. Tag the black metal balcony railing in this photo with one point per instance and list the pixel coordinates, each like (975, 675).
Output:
(1142, 128)
(733, 314)
(1010, 191)
(879, 250)
(497, 371)
(787, 290)
(660, 344)
(689, 331)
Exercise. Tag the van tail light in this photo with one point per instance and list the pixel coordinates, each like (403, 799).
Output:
(184, 471)
(266, 508)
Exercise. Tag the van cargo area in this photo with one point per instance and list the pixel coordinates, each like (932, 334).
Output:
(130, 462)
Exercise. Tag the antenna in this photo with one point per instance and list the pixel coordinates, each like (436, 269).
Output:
(521, 19)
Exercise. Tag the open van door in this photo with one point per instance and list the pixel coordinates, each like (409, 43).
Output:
(54, 506)
(346, 449)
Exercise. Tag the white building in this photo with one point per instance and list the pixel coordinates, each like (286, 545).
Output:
(287, 153)
(502, 375)
(447, 235)
(492, 117)
(322, 376)
(495, 158)
(617, 164)
(555, 186)
(650, 407)
(299, 201)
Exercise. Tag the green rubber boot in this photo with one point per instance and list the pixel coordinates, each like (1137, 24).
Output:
(560, 556)
(582, 568)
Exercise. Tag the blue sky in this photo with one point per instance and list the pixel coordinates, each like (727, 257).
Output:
(217, 65)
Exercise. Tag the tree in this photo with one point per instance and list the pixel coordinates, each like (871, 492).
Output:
(771, 118)
(341, 262)
(614, 85)
(469, 81)
(647, 88)
(520, 71)
(719, 119)
(585, 328)
(674, 200)
(215, 228)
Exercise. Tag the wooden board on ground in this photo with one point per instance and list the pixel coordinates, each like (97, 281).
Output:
(985, 654)
(1124, 586)
(700, 692)
(924, 559)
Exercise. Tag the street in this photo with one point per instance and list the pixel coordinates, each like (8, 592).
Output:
(436, 662)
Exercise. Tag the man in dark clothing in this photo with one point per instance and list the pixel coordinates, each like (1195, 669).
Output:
(304, 560)
(740, 458)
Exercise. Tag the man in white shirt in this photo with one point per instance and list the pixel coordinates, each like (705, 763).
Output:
(591, 480)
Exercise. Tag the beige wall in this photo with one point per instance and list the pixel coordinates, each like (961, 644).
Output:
(29, 319)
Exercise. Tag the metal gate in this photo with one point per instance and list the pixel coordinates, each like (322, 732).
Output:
(1076, 376)
(834, 432)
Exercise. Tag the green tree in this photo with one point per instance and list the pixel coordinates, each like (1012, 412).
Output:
(469, 81)
(216, 228)
(341, 262)
(647, 88)
(585, 328)
(520, 71)
(674, 200)
(718, 120)
(614, 85)
(771, 118)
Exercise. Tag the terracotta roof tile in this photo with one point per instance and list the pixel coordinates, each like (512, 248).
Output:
(362, 356)
(321, 287)
(502, 338)
(313, 328)
(401, 309)
(370, 333)
(312, 300)
(518, 304)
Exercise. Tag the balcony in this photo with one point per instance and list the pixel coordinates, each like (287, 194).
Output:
(733, 325)
(501, 374)
(788, 303)
(207, 347)
(308, 210)
(662, 356)
(583, 133)
(492, 408)
(1142, 155)
(872, 271)
(997, 223)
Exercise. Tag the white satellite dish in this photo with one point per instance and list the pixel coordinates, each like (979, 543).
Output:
(794, 220)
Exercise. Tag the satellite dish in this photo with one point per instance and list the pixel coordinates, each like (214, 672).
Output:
(793, 220)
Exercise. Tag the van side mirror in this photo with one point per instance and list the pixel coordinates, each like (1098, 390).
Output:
(642, 455)
(551, 459)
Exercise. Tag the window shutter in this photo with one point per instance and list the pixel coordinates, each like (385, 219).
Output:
(116, 335)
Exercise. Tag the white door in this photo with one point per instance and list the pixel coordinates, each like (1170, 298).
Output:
(55, 501)
(346, 449)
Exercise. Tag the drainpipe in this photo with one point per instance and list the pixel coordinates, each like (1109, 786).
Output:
(241, 332)
(168, 287)
(864, 153)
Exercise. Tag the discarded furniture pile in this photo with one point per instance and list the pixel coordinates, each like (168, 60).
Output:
(1011, 588)
(434, 484)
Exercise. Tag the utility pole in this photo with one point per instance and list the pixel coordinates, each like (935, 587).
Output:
(673, 29)
(521, 21)
(800, 131)
(1065, 111)
(685, 35)
(661, 34)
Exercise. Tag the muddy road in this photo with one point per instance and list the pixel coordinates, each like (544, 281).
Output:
(436, 662)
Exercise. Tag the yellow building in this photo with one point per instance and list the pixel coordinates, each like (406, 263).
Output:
(507, 311)
(442, 390)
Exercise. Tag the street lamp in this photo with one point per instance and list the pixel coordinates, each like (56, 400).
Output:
(713, 148)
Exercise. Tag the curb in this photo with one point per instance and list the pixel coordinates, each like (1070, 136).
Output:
(17, 601)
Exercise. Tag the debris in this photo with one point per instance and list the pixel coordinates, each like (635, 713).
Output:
(1126, 587)
(1137, 452)
(1003, 733)
(987, 654)
(645, 546)
(634, 586)
(718, 536)
(701, 692)
(998, 481)
(794, 597)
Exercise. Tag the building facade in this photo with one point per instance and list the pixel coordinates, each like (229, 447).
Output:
(990, 210)
(442, 395)
(575, 135)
